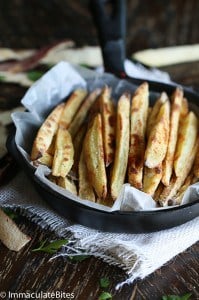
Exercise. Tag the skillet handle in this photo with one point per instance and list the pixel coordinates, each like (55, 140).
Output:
(111, 29)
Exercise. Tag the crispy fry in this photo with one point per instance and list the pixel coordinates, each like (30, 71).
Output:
(185, 143)
(177, 199)
(10, 235)
(158, 192)
(122, 145)
(67, 184)
(173, 135)
(158, 138)
(64, 153)
(184, 109)
(77, 144)
(152, 178)
(94, 156)
(46, 133)
(154, 112)
(196, 164)
(138, 119)
(108, 125)
(85, 187)
(82, 113)
(46, 159)
(176, 182)
(51, 148)
(71, 107)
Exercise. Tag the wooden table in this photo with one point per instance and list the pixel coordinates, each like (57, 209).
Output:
(33, 272)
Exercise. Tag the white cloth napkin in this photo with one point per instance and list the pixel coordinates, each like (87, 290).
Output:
(138, 254)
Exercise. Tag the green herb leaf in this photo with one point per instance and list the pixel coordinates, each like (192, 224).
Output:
(104, 282)
(51, 248)
(2, 78)
(105, 296)
(34, 75)
(78, 258)
(175, 297)
(11, 214)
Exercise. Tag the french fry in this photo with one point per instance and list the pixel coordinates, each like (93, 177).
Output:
(176, 182)
(67, 184)
(85, 187)
(64, 153)
(46, 159)
(122, 145)
(173, 135)
(184, 110)
(185, 143)
(94, 156)
(46, 133)
(158, 191)
(196, 164)
(10, 235)
(138, 119)
(71, 107)
(158, 138)
(82, 113)
(177, 199)
(154, 112)
(108, 125)
(152, 178)
(77, 144)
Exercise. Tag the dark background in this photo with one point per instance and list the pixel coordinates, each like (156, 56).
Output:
(157, 23)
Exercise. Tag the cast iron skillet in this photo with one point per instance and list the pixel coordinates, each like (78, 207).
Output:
(111, 33)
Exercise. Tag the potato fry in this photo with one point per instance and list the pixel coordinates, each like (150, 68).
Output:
(67, 184)
(196, 164)
(176, 182)
(64, 153)
(158, 138)
(85, 187)
(71, 107)
(173, 135)
(46, 133)
(158, 191)
(152, 178)
(94, 156)
(108, 125)
(82, 113)
(185, 143)
(122, 145)
(77, 144)
(154, 112)
(184, 109)
(177, 199)
(138, 119)
(10, 235)
(46, 159)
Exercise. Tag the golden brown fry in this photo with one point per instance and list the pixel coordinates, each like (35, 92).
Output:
(173, 135)
(138, 119)
(94, 156)
(185, 143)
(71, 107)
(158, 192)
(158, 138)
(85, 187)
(10, 235)
(46, 159)
(176, 182)
(177, 199)
(82, 113)
(122, 145)
(67, 184)
(77, 144)
(152, 178)
(184, 109)
(46, 133)
(108, 125)
(154, 112)
(64, 153)
(51, 149)
(196, 164)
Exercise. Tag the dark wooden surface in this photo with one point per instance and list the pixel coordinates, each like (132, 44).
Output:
(30, 24)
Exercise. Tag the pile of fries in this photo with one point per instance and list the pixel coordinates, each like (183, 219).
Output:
(93, 145)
